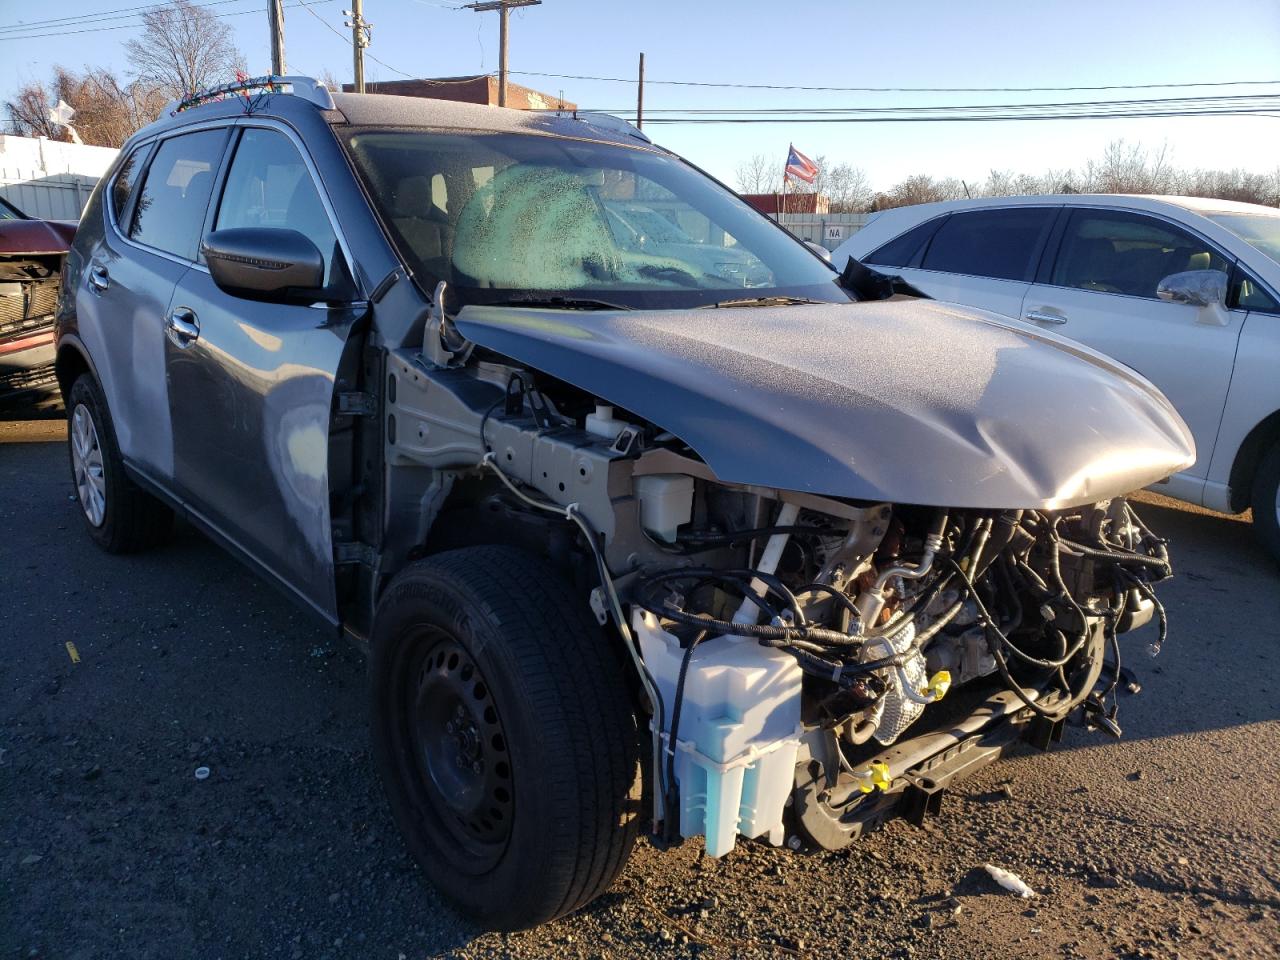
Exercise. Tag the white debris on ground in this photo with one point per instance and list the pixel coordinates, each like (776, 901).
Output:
(1010, 881)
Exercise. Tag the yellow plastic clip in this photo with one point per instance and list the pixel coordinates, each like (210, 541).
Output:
(875, 775)
(939, 684)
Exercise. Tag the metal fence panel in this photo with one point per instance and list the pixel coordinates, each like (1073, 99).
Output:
(50, 180)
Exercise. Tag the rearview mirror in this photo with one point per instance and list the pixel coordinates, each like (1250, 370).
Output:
(265, 263)
(1196, 288)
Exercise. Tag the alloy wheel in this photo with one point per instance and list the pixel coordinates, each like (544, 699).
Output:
(86, 462)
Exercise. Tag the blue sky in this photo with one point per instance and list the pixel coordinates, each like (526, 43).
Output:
(925, 43)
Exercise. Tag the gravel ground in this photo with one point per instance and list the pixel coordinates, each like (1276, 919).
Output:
(1164, 844)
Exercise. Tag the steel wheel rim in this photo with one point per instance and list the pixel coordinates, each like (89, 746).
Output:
(455, 758)
(87, 466)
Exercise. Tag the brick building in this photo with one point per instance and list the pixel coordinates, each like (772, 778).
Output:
(482, 89)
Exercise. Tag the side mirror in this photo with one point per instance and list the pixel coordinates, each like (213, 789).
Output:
(819, 249)
(1196, 288)
(265, 263)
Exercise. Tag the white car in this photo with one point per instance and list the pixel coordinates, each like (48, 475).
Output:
(1186, 291)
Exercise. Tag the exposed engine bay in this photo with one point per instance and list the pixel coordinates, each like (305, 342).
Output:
(810, 664)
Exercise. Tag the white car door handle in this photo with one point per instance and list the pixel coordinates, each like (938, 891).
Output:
(1041, 316)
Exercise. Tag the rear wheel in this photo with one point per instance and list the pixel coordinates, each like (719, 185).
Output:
(504, 734)
(119, 516)
(1266, 501)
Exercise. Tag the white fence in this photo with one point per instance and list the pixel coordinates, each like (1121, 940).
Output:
(828, 229)
(47, 179)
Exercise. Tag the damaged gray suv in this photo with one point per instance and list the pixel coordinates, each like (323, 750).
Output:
(647, 518)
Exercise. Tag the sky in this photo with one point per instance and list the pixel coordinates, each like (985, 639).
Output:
(924, 43)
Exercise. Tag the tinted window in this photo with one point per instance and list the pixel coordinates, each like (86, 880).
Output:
(269, 185)
(990, 243)
(175, 194)
(902, 250)
(1112, 252)
(126, 179)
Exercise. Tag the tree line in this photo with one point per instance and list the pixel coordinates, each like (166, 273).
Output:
(183, 48)
(1122, 168)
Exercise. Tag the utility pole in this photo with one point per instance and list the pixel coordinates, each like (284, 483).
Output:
(504, 8)
(360, 35)
(640, 97)
(275, 15)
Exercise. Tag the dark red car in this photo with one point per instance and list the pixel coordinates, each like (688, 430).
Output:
(31, 256)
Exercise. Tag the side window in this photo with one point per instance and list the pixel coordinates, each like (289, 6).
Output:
(269, 185)
(175, 193)
(1128, 253)
(902, 250)
(1247, 294)
(1001, 244)
(125, 181)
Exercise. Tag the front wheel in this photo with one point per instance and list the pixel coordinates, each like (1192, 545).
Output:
(1266, 501)
(505, 736)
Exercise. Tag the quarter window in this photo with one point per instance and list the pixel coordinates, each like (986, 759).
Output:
(1001, 244)
(125, 181)
(1126, 253)
(175, 194)
(269, 185)
(1248, 294)
(902, 250)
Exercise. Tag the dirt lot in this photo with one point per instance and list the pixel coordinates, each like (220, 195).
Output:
(1164, 844)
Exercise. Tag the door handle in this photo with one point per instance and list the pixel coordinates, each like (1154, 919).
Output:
(1043, 317)
(99, 279)
(182, 327)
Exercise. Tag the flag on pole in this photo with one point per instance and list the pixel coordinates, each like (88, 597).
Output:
(800, 167)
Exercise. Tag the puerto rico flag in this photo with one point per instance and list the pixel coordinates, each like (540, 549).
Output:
(800, 166)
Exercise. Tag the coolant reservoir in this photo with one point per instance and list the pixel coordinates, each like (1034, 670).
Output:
(666, 501)
(739, 732)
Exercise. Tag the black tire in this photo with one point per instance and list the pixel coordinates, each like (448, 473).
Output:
(132, 519)
(527, 806)
(1266, 501)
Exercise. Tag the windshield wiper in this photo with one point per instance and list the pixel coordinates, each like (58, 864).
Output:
(764, 302)
(566, 303)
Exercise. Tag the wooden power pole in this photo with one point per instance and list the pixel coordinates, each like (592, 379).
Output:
(275, 13)
(359, 40)
(504, 8)
(640, 97)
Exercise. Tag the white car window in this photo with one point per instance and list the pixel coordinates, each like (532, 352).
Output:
(1116, 252)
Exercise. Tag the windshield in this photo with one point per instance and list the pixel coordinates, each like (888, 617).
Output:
(1260, 230)
(8, 211)
(501, 217)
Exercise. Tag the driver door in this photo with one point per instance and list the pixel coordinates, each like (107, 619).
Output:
(251, 383)
(1101, 290)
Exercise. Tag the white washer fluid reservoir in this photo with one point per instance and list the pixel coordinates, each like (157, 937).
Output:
(739, 732)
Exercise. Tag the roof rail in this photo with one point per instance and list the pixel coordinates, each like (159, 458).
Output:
(606, 121)
(306, 87)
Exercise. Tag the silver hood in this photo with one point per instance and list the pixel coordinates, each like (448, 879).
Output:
(908, 401)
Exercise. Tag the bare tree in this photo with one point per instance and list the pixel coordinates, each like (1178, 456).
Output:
(29, 113)
(183, 48)
(848, 189)
(758, 174)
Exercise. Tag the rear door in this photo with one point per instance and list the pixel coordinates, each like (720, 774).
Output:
(1100, 289)
(154, 213)
(982, 258)
(251, 383)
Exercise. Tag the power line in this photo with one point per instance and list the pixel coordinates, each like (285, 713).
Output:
(103, 15)
(1271, 100)
(959, 118)
(134, 26)
(770, 86)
